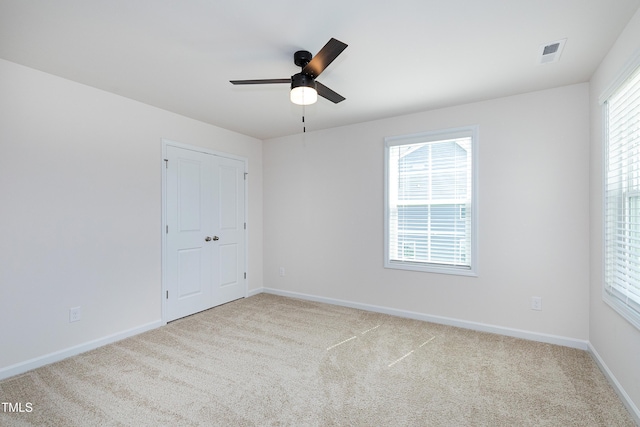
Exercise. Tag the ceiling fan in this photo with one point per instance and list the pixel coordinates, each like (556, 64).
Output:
(304, 87)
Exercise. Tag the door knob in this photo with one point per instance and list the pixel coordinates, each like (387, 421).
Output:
(207, 239)
(216, 238)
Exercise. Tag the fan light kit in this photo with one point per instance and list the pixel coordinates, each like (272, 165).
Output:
(304, 87)
(303, 90)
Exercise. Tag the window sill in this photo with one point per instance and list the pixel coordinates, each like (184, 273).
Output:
(622, 309)
(431, 268)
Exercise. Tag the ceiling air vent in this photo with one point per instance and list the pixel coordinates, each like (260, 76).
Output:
(551, 52)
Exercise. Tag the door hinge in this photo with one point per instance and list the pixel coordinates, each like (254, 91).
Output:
(167, 229)
(245, 225)
(166, 163)
(167, 294)
(245, 175)
(245, 275)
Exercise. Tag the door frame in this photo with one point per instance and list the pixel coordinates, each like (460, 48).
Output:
(166, 143)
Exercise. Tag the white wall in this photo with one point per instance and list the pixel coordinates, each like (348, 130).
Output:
(615, 340)
(80, 209)
(323, 215)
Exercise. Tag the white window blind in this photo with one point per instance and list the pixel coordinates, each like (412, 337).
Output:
(622, 198)
(429, 217)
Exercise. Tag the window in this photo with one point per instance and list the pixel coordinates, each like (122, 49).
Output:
(430, 203)
(621, 106)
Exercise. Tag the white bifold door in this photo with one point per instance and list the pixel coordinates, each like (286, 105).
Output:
(205, 227)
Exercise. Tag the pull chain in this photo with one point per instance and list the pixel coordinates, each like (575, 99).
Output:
(304, 127)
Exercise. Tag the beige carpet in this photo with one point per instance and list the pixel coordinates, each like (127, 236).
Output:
(274, 361)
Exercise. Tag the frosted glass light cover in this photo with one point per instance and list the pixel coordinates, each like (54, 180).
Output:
(303, 95)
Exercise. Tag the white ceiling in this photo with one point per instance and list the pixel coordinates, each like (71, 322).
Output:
(404, 56)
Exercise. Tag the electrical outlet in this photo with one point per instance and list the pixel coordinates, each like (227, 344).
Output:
(536, 303)
(281, 271)
(74, 314)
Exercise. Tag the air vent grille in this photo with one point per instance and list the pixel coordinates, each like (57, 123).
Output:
(551, 52)
(552, 48)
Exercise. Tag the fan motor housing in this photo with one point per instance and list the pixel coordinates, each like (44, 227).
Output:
(302, 79)
(302, 57)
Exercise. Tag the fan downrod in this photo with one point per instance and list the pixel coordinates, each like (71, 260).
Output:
(301, 58)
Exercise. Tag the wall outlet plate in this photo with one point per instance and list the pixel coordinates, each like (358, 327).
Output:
(536, 303)
(74, 314)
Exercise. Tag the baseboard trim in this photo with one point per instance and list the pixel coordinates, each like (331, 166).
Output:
(622, 394)
(253, 292)
(476, 326)
(22, 367)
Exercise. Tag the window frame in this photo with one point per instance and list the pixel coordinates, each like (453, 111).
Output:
(611, 295)
(434, 136)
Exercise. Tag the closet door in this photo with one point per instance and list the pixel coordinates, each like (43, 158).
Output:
(229, 250)
(205, 260)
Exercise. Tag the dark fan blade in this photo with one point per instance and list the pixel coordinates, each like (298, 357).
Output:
(259, 82)
(327, 54)
(327, 93)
